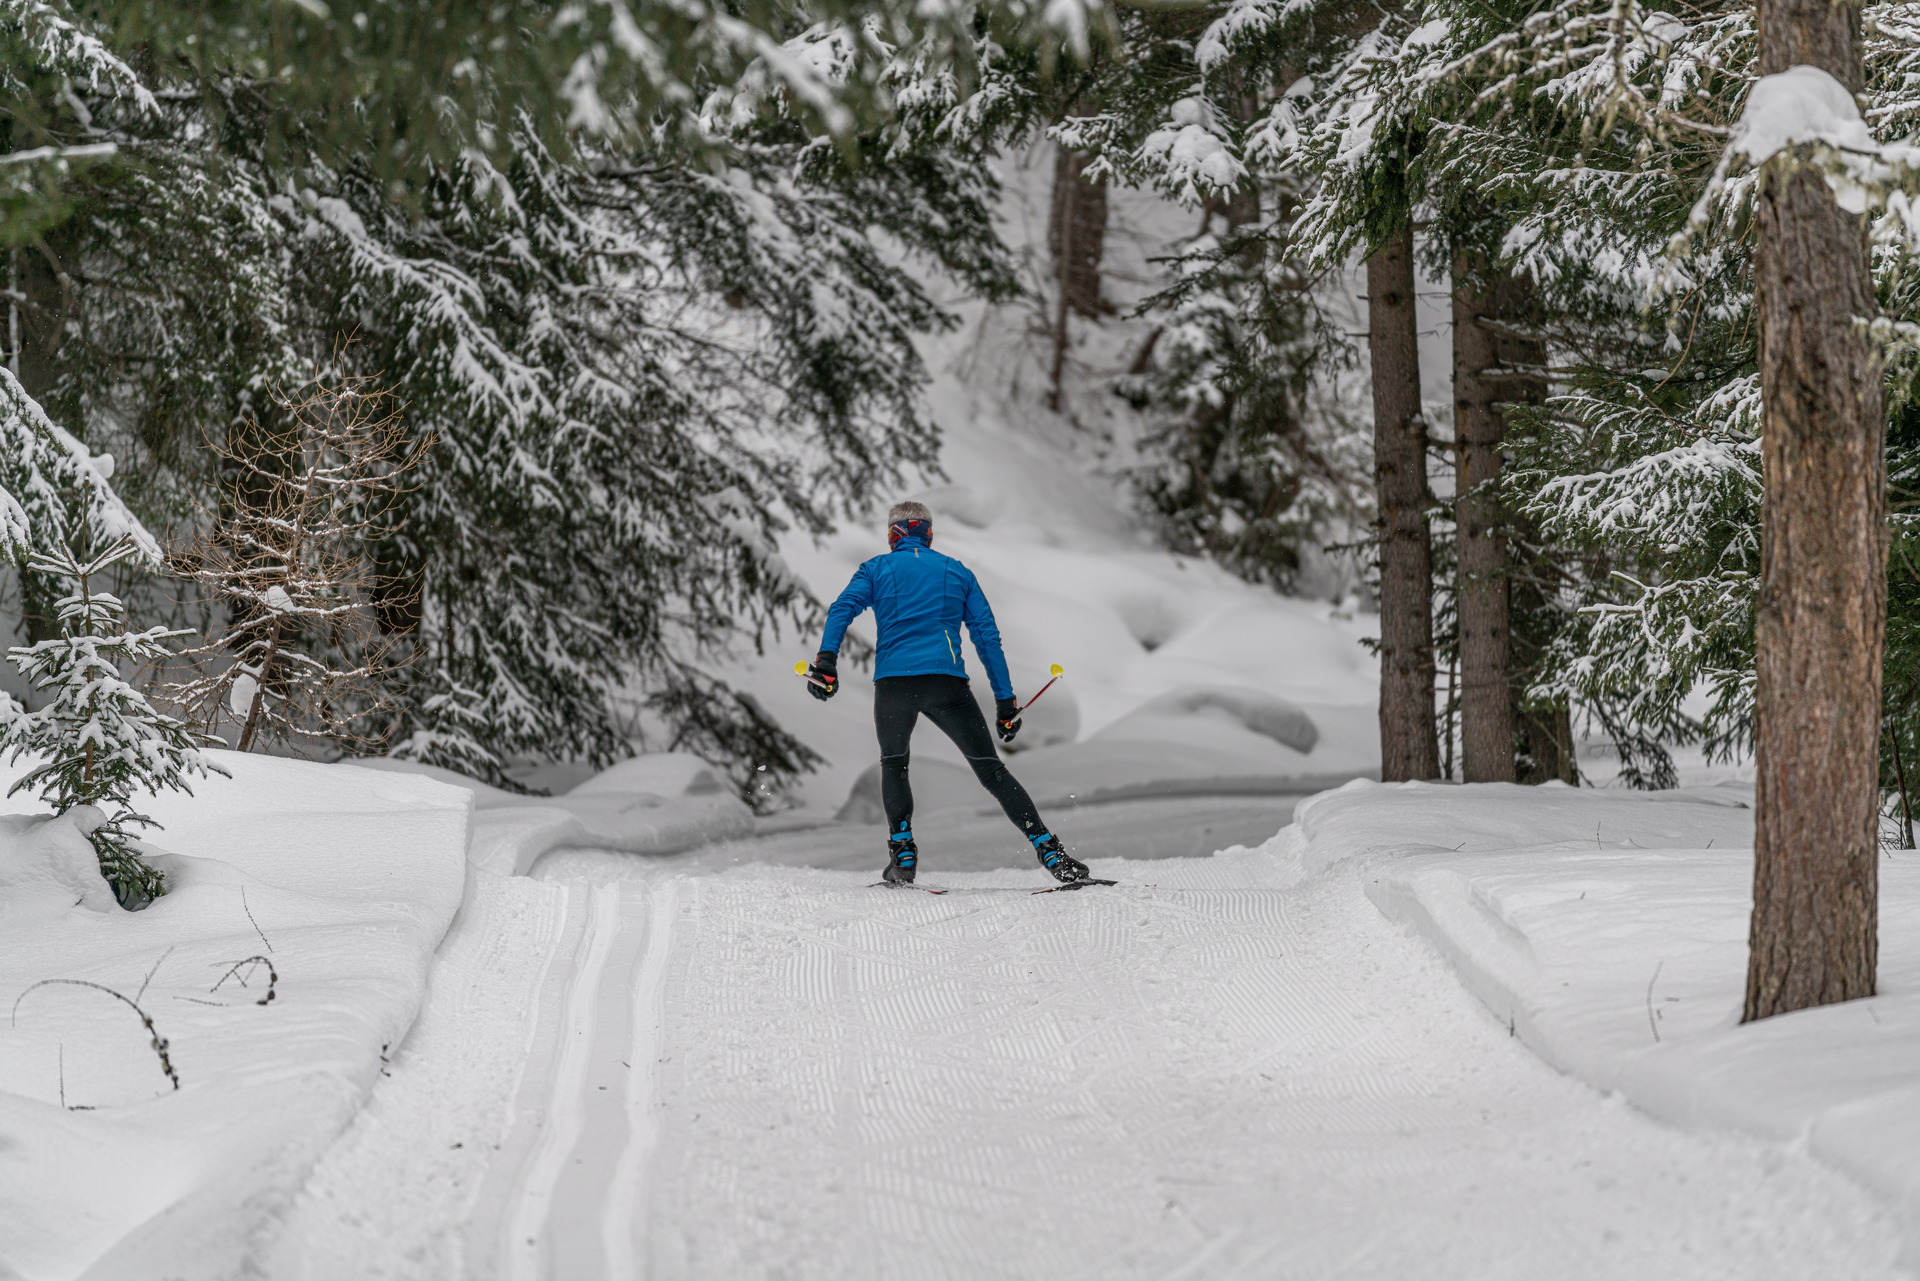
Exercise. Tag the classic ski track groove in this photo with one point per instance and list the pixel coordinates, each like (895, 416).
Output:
(561, 1200)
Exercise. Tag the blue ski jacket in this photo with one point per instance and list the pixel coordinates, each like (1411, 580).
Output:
(919, 599)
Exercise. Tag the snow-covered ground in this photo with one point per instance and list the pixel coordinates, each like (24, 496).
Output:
(1227, 1066)
(343, 880)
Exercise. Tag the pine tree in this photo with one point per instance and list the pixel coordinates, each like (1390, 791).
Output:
(99, 740)
(639, 362)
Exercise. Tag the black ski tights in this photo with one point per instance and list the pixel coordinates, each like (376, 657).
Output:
(898, 702)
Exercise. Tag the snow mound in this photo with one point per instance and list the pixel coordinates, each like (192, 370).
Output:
(653, 804)
(1194, 741)
(344, 880)
(510, 841)
(1250, 709)
(1608, 930)
(657, 774)
(1800, 104)
(47, 865)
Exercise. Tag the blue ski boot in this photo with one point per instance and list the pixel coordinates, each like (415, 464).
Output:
(1064, 866)
(902, 858)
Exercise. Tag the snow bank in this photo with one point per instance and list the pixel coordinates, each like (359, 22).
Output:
(1194, 740)
(655, 804)
(48, 865)
(345, 880)
(1609, 932)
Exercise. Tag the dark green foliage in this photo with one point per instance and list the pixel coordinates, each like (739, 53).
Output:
(1236, 468)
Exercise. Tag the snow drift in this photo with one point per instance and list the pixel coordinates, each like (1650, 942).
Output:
(342, 880)
(655, 804)
(1608, 931)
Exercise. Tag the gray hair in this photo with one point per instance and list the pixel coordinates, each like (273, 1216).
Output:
(909, 511)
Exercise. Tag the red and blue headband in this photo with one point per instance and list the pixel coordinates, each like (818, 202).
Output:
(913, 527)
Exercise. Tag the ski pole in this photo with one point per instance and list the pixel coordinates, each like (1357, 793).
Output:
(800, 669)
(1057, 672)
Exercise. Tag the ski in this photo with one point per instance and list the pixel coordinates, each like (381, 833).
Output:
(905, 885)
(1075, 885)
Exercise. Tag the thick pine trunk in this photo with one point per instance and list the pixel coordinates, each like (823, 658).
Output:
(1493, 366)
(1077, 238)
(1821, 623)
(1481, 602)
(1409, 747)
(1077, 233)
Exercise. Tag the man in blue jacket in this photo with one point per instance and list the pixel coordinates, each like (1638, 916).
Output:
(919, 599)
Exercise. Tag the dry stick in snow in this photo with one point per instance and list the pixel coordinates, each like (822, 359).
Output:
(233, 972)
(1650, 982)
(158, 1042)
(150, 973)
(256, 925)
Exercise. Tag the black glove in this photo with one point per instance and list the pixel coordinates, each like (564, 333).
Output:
(1006, 718)
(825, 671)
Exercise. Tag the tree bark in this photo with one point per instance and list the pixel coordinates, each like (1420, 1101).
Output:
(1482, 601)
(1076, 236)
(1821, 622)
(1409, 747)
(1494, 365)
(1077, 233)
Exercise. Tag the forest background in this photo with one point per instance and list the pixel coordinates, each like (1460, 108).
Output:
(627, 286)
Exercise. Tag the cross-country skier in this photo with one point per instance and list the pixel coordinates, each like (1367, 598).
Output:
(919, 599)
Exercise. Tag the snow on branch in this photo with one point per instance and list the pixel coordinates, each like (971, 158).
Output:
(59, 44)
(289, 554)
(43, 468)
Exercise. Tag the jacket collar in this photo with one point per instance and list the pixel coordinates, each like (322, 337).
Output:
(912, 544)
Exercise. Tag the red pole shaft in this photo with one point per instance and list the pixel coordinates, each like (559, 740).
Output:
(1036, 698)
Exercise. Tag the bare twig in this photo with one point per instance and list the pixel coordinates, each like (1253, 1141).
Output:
(287, 551)
(1650, 1019)
(150, 973)
(233, 972)
(256, 925)
(158, 1042)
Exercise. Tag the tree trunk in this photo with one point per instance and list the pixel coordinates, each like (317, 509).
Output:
(1486, 698)
(1077, 233)
(1409, 748)
(1549, 735)
(1821, 623)
(1077, 237)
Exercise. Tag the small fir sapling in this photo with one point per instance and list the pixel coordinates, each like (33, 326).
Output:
(289, 553)
(100, 739)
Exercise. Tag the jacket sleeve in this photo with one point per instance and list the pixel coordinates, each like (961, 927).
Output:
(846, 607)
(986, 639)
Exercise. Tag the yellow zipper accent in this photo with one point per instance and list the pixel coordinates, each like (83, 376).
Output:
(949, 635)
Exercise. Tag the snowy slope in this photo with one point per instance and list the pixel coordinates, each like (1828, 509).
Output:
(1030, 500)
(345, 880)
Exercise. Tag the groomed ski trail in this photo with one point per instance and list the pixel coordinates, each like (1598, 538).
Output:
(1208, 1072)
(1213, 1070)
